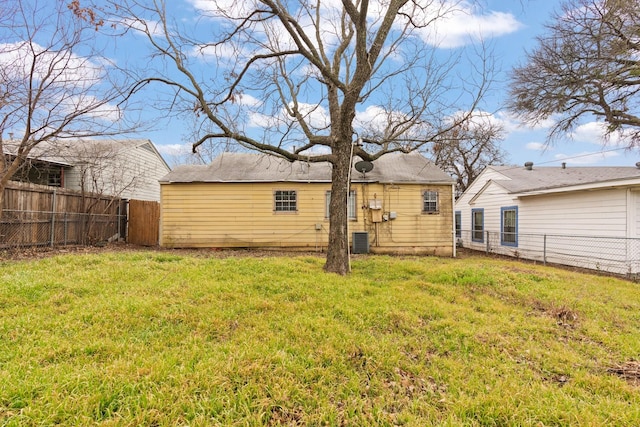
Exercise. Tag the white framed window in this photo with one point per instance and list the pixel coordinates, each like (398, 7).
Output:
(351, 208)
(430, 201)
(285, 201)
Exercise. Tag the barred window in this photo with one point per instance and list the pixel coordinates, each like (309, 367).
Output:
(430, 201)
(351, 211)
(285, 201)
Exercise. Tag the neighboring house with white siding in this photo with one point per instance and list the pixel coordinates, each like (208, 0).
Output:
(581, 216)
(128, 168)
(403, 205)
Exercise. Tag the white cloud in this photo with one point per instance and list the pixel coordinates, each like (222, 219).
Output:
(248, 100)
(594, 133)
(376, 119)
(174, 149)
(513, 124)
(316, 116)
(62, 68)
(373, 117)
(453, 24)
(446, 23)
(66, 83)
(259, 120)
(536, 146)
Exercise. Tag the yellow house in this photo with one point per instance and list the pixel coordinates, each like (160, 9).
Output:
(241, 200)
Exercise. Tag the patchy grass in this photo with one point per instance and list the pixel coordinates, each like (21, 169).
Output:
(153, 339)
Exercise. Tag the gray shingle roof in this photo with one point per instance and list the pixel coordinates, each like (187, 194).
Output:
(70, 152)
(546, 178)
(255, 167)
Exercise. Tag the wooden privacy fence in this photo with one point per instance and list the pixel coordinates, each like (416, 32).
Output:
(144, 223)
(37, 215)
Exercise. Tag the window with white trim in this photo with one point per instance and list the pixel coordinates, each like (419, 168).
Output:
(429, 201)
(285, 200)
(458, 223)
(351, 208)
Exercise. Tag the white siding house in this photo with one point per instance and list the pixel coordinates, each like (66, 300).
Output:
(129, 168)
(580, 216)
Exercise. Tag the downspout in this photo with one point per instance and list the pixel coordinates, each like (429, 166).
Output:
(631, 229)
(453, 213)
(348, 194)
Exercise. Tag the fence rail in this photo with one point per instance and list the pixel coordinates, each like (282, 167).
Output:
(20, 229)
(617, 255)
(37, 215)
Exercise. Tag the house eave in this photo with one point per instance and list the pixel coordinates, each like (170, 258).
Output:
(582, 187)
(305, 181)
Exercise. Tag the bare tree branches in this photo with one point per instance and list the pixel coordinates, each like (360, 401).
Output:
(53, 84)
(466, 150)
(291, 79)
(586, 67)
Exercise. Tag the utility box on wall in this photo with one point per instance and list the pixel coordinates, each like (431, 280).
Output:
(360, 240)
(375, 207)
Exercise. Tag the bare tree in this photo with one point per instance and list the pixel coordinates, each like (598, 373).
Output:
(466, 150)
(286, 78)
(53, 82)
(586, 67)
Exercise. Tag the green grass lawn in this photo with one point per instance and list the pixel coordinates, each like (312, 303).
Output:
(164, 339)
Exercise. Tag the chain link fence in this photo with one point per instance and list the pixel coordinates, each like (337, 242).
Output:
(20, 229)
(610, 254)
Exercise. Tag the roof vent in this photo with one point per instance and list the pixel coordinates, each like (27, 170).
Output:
(638, 165)
(564, 165)
(528, 166)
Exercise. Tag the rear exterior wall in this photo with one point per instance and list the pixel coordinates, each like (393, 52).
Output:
(243, 215)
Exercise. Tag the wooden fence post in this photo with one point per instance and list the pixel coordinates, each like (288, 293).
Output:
(53, 219)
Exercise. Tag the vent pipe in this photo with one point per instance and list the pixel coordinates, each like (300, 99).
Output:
(528, 166)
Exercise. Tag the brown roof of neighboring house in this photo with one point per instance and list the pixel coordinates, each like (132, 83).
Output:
(257, 167)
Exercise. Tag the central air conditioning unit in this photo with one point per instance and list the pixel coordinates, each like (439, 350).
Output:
(360, 241)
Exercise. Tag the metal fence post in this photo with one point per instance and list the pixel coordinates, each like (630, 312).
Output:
(544, 250)
(487, 249)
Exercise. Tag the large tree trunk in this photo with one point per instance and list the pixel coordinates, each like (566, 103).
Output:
(338, 249)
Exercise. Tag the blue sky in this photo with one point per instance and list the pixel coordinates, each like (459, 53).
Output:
(510, 27)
